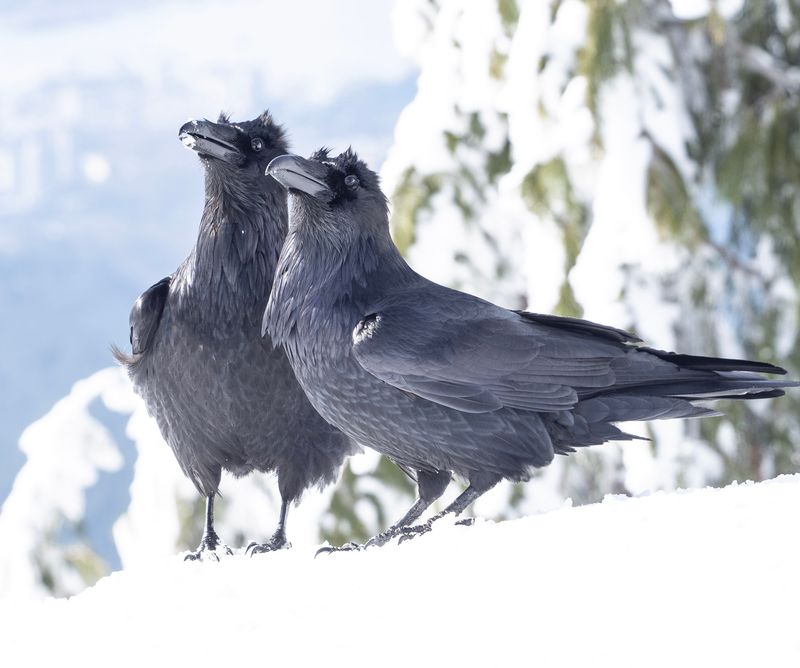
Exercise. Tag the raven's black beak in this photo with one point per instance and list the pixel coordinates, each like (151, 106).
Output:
(296, 173)
(215, 140)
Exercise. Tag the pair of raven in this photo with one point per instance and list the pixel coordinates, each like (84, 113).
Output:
(366, 350)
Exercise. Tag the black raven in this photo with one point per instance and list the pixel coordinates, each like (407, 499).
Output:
(223, 396)
(441, 381)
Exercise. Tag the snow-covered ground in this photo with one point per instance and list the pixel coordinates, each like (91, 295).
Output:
(705, 577)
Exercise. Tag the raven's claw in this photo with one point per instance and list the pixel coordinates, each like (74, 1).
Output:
(347, 547)
(274, 544)
(208, 549)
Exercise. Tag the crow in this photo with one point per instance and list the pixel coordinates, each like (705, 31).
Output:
(223, 396)
(445, 383)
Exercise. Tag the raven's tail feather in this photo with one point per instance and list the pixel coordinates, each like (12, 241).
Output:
(699, 363)
(723, 385)
(592, 420)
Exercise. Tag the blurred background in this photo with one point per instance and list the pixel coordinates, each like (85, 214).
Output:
(630, 162)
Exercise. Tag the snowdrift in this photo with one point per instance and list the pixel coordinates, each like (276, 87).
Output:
(704, 577)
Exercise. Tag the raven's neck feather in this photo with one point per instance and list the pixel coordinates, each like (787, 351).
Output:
(322, 291)
(226, 280)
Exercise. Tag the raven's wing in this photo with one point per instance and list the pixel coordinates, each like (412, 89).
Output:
(146, 314)
(465, 353)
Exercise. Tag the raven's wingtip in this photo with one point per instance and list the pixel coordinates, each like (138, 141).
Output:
(766, 367)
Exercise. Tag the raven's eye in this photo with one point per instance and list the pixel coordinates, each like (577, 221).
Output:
(256, 144)
(351, 181)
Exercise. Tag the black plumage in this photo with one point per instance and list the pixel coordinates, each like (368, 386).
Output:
(444, 382)
(223, 396)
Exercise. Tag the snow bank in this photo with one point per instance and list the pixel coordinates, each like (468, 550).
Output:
(51, 521)
(706, 577)
(67, 450)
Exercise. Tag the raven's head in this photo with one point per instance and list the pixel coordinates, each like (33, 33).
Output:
(339, 193)
(247, 146)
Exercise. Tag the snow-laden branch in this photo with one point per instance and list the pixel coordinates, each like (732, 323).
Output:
(763, 63)
(750, 57)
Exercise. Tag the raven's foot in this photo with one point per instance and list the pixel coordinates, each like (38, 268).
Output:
(277, 542)
(413, 531)
(347, 547)
(386, 536)
(403, 532)
(407, 533)
(210, 549)
(376, 541)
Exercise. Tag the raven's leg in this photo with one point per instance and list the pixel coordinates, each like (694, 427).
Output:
(278, 540)
(430, 486)
(210, 542)
(478, 485)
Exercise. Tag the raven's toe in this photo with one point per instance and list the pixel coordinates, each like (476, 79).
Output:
(210, 549)
(407, 533)
(347, 547)
(273, 545)
(386, 536)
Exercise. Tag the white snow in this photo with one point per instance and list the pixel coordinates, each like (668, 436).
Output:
(66, 450)
(707, 577)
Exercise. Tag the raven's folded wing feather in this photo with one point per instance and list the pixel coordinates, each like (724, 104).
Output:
(475, 357)
(146, 314)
